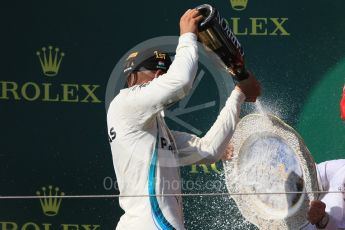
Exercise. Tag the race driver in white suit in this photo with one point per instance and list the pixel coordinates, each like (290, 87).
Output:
(146, 154)
(329, 212)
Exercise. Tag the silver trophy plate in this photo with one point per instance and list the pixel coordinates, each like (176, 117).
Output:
(270, 163)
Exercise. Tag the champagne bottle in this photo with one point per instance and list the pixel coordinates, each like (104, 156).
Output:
(215, 33)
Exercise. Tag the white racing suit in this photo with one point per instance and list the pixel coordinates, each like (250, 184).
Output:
(147, 155)
(331, 177)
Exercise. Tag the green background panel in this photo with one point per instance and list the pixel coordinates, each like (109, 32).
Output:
(320, 123)
(66, 145)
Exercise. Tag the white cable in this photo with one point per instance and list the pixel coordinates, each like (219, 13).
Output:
(166, 195)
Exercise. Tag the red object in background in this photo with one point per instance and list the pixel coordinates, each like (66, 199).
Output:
(342, 105)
